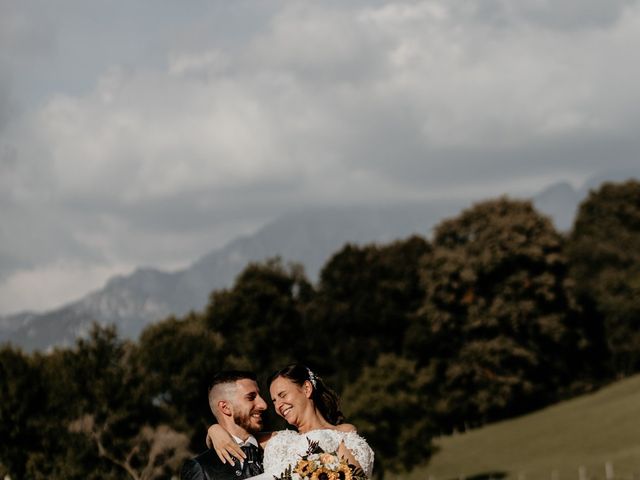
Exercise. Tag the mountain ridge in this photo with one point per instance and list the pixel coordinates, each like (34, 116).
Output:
(309, 237)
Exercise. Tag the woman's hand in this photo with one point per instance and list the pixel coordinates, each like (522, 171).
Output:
(223, 443)
(344, 452)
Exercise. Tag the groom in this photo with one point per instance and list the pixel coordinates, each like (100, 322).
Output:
(236, 403)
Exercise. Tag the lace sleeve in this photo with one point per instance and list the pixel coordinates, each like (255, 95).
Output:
(280, 452)
(361, 451)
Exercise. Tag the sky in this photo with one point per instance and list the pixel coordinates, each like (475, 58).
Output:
(148, 133)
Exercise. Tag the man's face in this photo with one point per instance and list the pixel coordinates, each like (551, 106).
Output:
(248, 406)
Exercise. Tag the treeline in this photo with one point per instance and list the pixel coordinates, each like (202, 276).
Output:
(496, 315)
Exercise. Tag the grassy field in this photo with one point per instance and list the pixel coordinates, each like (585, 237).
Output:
(550, 444)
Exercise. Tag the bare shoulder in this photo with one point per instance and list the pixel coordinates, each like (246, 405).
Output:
(346, 427)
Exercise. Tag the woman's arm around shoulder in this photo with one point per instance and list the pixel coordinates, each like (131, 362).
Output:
(223, 443)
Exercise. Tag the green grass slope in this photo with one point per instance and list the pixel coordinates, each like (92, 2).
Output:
(551, 444)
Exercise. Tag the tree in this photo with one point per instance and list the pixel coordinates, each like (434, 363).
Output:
(261, 316)
(154, 453)
(389, 404)
(179, 357)
(99, 420)
(604, 251)
(22, 405)
(365, 297)
(499, 325)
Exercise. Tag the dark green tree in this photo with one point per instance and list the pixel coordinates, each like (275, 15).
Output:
(261, 316)
(499, 325)
(100, 424)
(604, 250)
(391, 407)
(365, 297)
(179, 357)
(22, 408)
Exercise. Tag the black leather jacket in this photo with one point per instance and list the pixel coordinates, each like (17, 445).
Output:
(207, 466)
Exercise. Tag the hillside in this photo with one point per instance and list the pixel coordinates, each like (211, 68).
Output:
(552, 443)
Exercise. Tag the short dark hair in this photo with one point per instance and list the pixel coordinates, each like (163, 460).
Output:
(230, 376)
(227, 377)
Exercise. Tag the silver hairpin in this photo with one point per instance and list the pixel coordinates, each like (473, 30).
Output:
(312, 377)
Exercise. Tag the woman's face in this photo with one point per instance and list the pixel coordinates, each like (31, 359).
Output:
(290, 400)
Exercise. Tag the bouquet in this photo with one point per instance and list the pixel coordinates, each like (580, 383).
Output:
(317, 464)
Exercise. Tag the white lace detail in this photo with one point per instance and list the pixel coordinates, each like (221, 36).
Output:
(288, 446)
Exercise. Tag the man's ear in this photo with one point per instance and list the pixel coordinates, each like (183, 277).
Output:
(225, 408)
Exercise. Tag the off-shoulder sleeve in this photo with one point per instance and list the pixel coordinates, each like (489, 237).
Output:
(361, 451)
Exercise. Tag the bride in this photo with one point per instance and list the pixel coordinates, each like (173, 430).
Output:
(304, 401)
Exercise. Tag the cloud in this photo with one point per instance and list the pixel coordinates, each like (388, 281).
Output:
(48, 285)
(569, 14)
(221, 117)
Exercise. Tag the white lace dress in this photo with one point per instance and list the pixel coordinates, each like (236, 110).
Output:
(287, 446)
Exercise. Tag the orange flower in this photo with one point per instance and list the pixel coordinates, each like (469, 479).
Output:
(344, 472)
(304, 468)
(324, 474)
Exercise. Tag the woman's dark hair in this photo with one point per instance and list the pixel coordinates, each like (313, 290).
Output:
(325, 399)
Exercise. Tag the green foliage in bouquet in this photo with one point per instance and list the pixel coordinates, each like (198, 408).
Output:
(316, 464)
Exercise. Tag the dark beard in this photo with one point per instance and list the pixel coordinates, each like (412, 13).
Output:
(244, 421)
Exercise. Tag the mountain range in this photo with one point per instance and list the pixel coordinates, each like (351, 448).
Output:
(309, 237)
